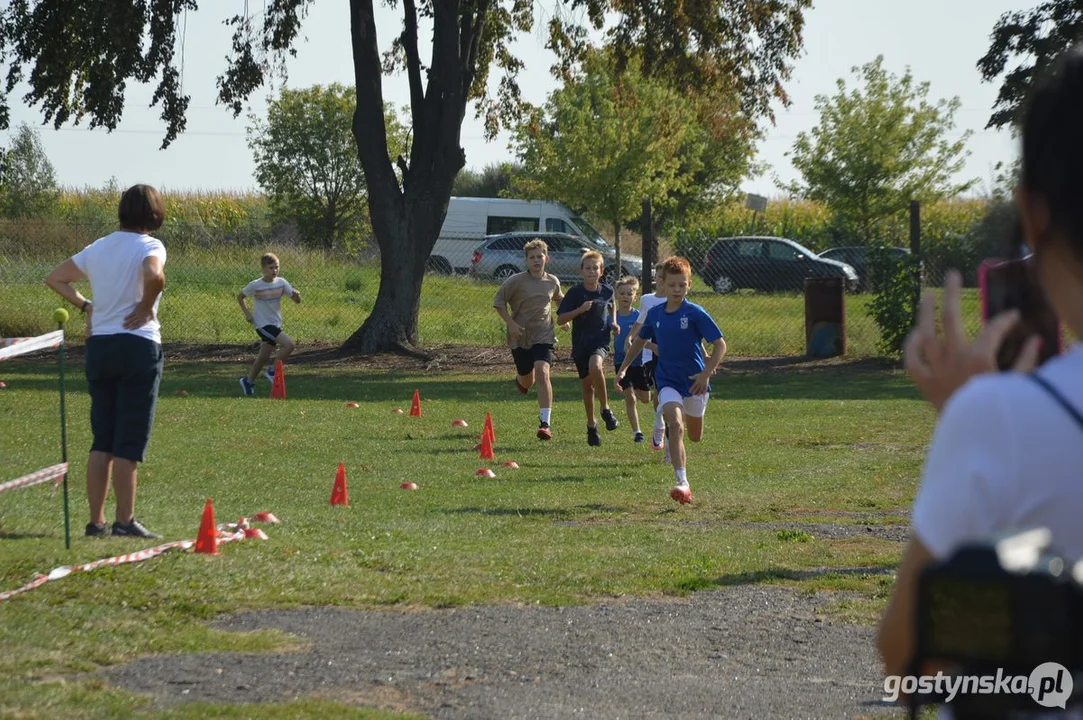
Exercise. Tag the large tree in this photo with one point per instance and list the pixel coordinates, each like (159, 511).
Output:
(1034, 38)
(876, 148)
(306, 162)
(81, 56)
(606, 140)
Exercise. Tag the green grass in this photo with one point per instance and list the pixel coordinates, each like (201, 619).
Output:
(574, 524)
(199, 306)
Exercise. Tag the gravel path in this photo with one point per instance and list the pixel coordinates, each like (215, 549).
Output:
(744, 652)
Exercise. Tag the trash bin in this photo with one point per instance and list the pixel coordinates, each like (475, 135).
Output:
(825, 317)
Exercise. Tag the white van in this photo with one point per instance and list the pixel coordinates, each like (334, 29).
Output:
(470, 219)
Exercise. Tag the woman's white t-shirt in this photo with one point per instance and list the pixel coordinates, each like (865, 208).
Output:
(1006, 457)
(114, 265)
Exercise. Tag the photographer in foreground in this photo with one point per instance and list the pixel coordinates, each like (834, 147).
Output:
(1007, 453)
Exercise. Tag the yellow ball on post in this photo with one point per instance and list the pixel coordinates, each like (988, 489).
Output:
(60, 316)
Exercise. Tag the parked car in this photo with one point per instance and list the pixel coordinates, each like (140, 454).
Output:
(768, 263)
(857, 257)
(501, 256)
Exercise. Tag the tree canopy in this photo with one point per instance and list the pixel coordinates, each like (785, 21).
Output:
(1034, 38)
(876, 148)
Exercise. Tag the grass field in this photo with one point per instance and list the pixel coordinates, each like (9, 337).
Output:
(199, 306)
(574, 524)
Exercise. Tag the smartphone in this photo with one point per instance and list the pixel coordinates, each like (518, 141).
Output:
(1012, 284)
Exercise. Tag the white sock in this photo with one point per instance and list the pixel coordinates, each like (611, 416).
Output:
(658, 421)
(545, 415)
(682, 476)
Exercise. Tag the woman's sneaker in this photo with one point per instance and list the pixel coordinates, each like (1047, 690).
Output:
(133, 529)
(96, 530)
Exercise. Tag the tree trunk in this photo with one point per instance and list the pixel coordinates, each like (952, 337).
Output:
(649, 251)
(405, 244)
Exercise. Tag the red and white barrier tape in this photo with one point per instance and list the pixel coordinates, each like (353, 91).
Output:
(11, 347)
(228, 532)
(55, 472)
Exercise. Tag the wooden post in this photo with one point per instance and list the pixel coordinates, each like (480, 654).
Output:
(649, 249)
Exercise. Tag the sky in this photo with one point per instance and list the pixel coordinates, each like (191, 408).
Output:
(939, 40)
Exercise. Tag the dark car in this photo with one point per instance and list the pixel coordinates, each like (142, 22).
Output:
(857, 257)
(501, 256)
(768, 263)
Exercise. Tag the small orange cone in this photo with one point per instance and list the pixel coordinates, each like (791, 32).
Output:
(339, 496)
(415, 406)
(278, 390)
(489, 427)
(207, 540)
(487, 447)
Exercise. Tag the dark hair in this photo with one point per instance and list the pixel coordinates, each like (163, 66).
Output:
(1053, 144)
(141, 208)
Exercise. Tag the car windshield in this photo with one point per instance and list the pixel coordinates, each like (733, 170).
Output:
(587, 229)
(802, 249)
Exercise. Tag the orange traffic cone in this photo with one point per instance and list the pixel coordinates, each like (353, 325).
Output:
(489, 427)
(278, 389)
(339, 496)
(415, 406)
(207, 540)
(487, 447)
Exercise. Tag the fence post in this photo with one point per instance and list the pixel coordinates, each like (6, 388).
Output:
(915, 250)
(648, 248)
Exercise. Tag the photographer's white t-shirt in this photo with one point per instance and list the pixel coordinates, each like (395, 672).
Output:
(1006, 457)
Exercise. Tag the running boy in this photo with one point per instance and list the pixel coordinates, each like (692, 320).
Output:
(530, 327)
(267, 293)
(683, 375)
(587, 306)
(650, 359)
(634, 384)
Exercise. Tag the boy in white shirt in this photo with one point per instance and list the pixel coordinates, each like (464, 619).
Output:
(266, 316)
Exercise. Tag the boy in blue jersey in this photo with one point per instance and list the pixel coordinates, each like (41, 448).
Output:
(678, 328)
(635, 384)
(587, 307)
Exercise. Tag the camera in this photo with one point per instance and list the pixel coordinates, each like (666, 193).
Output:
(1006, 606)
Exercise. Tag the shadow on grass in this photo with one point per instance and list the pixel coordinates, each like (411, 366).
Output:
(562, 513)
(769, 576)
(778, 379)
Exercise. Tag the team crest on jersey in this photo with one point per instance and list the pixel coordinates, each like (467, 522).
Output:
(684, 322)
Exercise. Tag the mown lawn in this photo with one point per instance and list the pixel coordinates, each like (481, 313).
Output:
(574, 524)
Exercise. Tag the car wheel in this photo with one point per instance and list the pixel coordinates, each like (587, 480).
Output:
(723, 284)
(438, 265)
(504, 272)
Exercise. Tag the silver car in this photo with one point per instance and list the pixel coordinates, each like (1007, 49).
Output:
(501, 256)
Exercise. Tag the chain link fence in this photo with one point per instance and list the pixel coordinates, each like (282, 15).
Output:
(753, 286)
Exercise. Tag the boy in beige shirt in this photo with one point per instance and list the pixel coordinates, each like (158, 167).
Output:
(531, 335)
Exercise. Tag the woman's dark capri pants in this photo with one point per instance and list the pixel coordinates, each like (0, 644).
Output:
(123, 372)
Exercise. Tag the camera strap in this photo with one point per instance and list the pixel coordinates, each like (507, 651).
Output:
(1055, 394)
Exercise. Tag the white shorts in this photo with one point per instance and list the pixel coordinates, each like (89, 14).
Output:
(694, 405)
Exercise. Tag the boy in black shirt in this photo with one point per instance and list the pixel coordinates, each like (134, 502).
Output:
(587, 306)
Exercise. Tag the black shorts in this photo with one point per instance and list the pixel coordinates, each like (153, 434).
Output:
(648, 373)
(526, 357)
(269, 334)
(582, 359)
(123, 372)
(635, 377)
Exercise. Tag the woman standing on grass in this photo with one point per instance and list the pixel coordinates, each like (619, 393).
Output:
(1008, 447)
(123, 351)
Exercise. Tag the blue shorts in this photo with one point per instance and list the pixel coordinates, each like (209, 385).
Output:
(123, 372)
